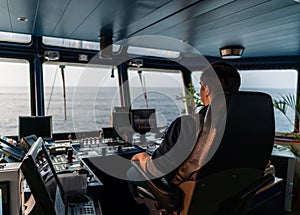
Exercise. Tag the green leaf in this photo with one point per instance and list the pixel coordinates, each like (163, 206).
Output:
(192, 98)
(280, 105)
(285, 102)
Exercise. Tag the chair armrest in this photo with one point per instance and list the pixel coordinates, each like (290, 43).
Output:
(265, 180)
(168, 195)
(145, 193)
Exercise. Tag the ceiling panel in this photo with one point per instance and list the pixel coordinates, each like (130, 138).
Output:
(48, 16)
(4, 17)
(222, 18)
(123, 13)
(22, 9)
(225, 25)
(253, 29)
(251, 23)
(102, 19)
(69, 22)
(181, 18)
(162, 12)
(264, 27)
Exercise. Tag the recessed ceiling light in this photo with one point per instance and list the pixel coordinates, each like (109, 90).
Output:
(22, 19)
(231, 52)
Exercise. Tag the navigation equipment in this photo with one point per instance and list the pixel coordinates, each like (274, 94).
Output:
(143, 120)
(40, 175)
(41, 126)
(110, 133)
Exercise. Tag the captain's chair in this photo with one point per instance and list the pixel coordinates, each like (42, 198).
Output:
(226, 166)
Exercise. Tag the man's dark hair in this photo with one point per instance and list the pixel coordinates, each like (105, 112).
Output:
(227, 74)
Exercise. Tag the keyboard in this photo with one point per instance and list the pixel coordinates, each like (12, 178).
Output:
(84, 208)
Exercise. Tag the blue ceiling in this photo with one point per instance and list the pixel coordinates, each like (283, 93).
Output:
(266, 28)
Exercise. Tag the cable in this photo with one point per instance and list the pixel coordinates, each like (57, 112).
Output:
(48, 106)
(64, 89)
(143, 83)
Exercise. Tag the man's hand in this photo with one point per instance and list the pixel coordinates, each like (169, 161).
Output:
(142, 158)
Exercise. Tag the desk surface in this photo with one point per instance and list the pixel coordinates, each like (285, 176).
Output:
(282, 151)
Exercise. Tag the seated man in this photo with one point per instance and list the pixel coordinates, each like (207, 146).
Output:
(182, 134)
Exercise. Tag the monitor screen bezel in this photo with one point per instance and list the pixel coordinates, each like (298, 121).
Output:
(152, 125)
(34, 179)
(48, 119)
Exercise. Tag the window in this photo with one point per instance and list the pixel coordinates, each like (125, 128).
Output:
(78, 44)
(152, 52)
(68, 43)
(91, 94)
(196, 80)
(14, 94)
(277, 83)
(161, 89)
(15, 37)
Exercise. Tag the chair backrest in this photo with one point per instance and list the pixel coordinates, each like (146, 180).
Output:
(248, 137)
(238, 136)
(231, 154)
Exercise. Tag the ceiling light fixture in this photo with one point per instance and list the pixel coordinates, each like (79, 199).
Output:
(22, 19)
(51, 55)
(231, 52)
(83, 57)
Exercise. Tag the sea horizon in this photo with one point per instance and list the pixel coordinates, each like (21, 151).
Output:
(79, 118)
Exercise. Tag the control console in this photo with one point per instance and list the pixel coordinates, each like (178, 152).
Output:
(106, 149)
(69, 162)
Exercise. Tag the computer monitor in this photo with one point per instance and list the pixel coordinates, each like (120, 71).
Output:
(110, 133)
(4, 197)
(42, 179)
(143, 120)
(41, 126)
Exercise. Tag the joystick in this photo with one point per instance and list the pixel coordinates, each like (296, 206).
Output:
(70, 155)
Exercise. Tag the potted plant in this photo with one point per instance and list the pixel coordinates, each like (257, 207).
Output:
(292, 139)
(282, 105)
(192, 99)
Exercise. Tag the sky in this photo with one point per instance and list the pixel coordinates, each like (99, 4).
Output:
(16, 74)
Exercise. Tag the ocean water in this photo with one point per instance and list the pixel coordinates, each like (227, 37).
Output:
(87, 108)
(90, 108)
